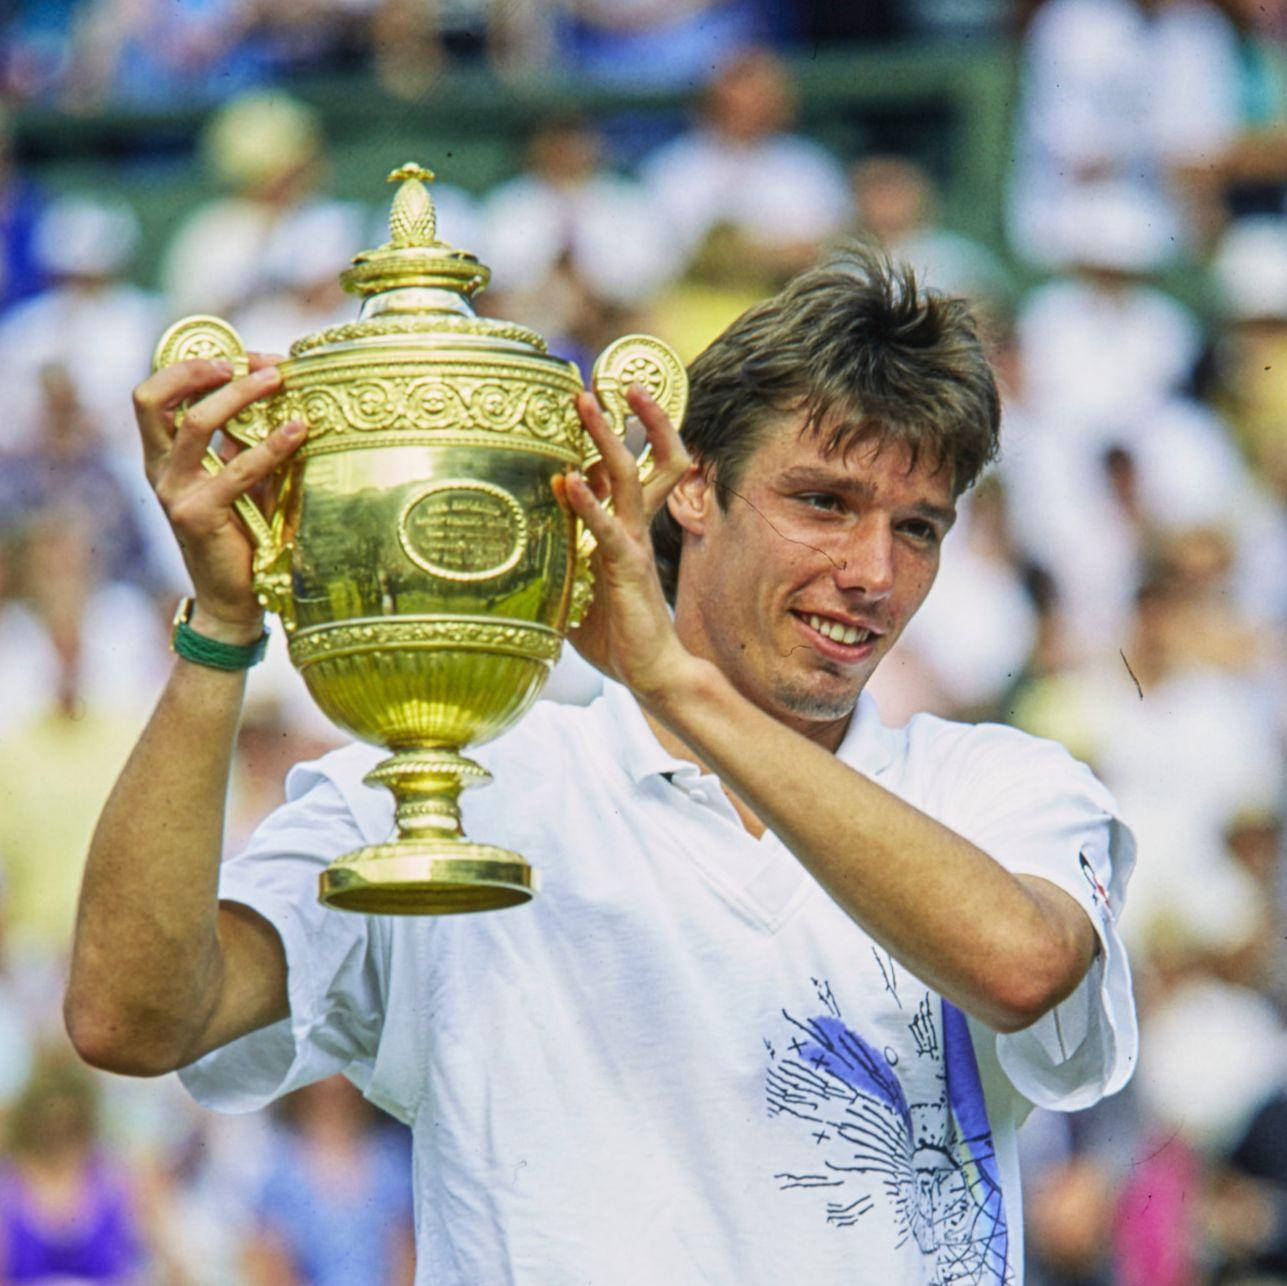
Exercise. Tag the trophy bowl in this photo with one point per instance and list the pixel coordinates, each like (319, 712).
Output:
(423, 571)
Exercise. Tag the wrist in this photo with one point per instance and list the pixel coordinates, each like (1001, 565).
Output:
(242, 631)
(680, 679)
(229, 651)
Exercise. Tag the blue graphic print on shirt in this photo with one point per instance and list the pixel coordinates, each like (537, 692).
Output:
(929, 1163)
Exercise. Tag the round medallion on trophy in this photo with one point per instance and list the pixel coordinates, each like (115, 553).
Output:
(463, 530)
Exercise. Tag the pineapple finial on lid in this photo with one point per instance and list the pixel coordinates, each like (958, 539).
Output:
(412, 220)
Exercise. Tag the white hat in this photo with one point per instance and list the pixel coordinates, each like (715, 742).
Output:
(1250, 268)
(86, 236)
(1115, 225)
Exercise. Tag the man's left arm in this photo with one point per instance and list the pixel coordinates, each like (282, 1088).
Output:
(1005, 948)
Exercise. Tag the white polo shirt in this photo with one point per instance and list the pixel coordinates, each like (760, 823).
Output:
(682, 1062)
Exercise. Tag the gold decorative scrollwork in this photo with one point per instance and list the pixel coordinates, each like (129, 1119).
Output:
(324, 411)
(549, 416)
(485, 327)
(372, 403)
(320, 642)
(385, 403)
(494, 406)
(431, 404)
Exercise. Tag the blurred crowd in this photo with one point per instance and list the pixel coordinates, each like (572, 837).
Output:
(1117, 581)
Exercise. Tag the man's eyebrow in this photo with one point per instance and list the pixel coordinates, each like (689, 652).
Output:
(945, 514)
(839, 481)
(805, 475)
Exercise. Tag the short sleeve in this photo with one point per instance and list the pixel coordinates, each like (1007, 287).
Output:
(335, 961)
(1038, 811)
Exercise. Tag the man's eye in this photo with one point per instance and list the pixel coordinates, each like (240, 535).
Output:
(925, 532)
(820, 500)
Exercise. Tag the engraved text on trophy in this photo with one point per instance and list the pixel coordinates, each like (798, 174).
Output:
(463, 530)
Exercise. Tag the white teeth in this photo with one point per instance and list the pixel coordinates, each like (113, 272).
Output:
(849, 634)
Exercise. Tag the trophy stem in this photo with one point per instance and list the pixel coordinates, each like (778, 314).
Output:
(428, 868)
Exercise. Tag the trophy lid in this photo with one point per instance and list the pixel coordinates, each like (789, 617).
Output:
(415, 284)
(413, 256)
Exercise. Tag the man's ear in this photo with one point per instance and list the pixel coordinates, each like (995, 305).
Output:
(691, 498)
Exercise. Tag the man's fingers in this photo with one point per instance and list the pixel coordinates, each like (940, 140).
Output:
(157, 397)
(585, 504)
(663, 437)
(599, 479)
(670, 457)
(214, 411)
(259, 360)
(617, 464)
(250, 467)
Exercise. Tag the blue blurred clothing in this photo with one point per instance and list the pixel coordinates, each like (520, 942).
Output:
(100, 1245)
(677, 52)
(341, 1233)
(20, 272)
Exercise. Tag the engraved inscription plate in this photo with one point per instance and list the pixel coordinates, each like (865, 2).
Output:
(463, 530)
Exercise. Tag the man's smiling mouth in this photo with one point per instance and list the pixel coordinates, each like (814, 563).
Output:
(837, 631)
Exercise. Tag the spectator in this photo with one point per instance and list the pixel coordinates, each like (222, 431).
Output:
(69, 464)
(740, 176)
(303, 257)
(66, 1209)
(658, 44)
(35, 49)
(1065, 518)
(155, 53)
(335, 1209)
(266, 149)
(1180, 723)
(93, 652)
(1120, 93)
(572, 247)
(413, 40)
(86, 246)
(1100, 345)
(896, 205)
(1250, 268)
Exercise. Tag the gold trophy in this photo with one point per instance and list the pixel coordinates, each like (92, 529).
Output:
(422, 569)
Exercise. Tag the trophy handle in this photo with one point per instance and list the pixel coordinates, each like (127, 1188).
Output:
(632, 359)
(213, 339)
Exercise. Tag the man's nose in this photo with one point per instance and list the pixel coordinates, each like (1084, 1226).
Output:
(866, 562)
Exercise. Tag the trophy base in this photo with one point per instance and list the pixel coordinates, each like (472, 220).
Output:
(427, 877)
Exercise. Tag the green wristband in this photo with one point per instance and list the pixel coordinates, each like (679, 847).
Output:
(190, 645)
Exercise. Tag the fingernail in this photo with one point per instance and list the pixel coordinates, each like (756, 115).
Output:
(294, 429)
(222, 367)
(267, 374)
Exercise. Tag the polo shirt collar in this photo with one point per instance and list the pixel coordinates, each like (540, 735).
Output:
(868, 745)
(622, 724)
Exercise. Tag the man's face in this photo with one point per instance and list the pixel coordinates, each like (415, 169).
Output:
(804, 582)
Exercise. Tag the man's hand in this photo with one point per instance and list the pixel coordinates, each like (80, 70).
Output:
(216, 546)
(628, 632)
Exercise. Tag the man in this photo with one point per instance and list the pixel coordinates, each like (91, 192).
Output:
(729, 1040)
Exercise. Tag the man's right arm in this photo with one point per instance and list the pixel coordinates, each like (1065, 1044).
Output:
(161, 972)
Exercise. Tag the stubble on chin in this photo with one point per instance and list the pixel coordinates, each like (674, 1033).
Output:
(816, 701)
